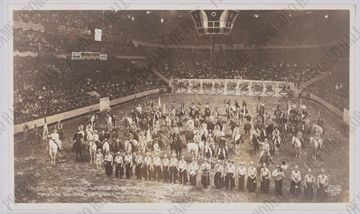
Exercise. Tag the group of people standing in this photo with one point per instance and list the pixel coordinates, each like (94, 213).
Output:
(223, 174)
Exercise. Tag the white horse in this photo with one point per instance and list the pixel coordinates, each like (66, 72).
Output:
(109, 122)
(297, 145)
(168, 122)
(316, 129)
(316, 143)
(142, 144)
(193, 149)
(216, 132)
(92, 149)
(200, 145)
(128, 147)
(53, 149)
(106, 147)
(208, 151)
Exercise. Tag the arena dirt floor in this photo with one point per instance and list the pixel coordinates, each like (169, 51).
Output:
(36, 181)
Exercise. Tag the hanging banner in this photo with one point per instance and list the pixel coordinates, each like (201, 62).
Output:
(98, 34)
(234, 87)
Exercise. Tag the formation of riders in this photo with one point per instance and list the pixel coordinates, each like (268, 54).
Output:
(200, 129)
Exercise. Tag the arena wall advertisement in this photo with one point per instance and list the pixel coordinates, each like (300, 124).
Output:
(236, 87)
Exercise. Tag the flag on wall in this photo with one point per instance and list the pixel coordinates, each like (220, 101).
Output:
(98, 34)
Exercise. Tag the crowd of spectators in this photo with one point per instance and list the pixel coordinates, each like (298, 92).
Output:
(334, 88)
(278, 65)
(42, 89)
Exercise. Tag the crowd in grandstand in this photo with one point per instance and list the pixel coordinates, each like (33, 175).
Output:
(280, 65)
(41, 90)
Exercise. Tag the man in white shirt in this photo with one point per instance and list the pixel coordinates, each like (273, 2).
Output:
(193, 168)
(157, 167)
(265, 176)
(205, 173)
(241, 173)
(173, 168)
(295, 184)
(147, 167)
(165, 168)
(219, 175)
(139, 161)
(309, 181)
(278, 176)
(128, 160)
(323, 182)
(251, 181)
(182, 171)
(119, 165)
(109, 159)
(230, 175)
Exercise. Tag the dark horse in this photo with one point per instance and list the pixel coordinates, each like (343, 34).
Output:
(176, 144)
(266, 159)
(78, 145)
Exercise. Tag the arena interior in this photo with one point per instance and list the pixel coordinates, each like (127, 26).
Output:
(262, 70)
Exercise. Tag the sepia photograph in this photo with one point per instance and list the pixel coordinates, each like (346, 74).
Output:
(181, 106)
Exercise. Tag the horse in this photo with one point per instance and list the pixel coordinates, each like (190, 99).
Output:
(106, 147)
(208, 151)
(53, 149)
(276, 143)
(222, 151)
(237, 140)
(266, 158)
(296, 142)
(193, 149)
(109, 122)
(176, 145)
(168, 121)
(316, 143)
(128, 123)
(255, 142)
(78, 145)
(142, 144)
(134, 145)
(92, 151)
(201, 146)
(128, 147)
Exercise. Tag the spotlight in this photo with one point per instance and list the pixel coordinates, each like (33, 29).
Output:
(147, 12)
(132, 18)
(256, 15)
(162, 20)
(326, 16)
